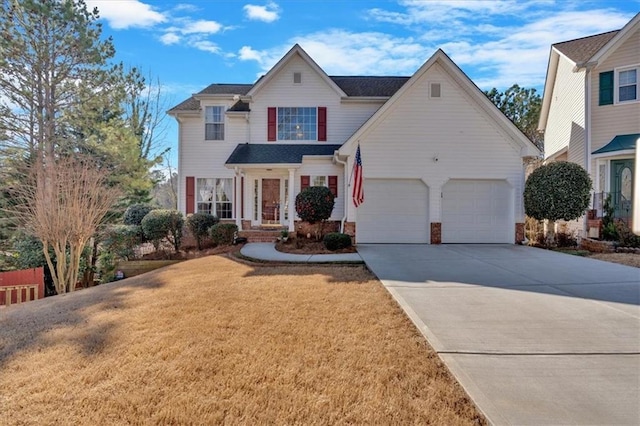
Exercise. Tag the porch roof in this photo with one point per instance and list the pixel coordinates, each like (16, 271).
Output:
(274, 153)
(619, 143)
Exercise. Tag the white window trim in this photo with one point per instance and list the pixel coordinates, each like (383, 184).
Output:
(199, 197)
(294, 140)
(313, 177)
(223, 122)
(616, 84)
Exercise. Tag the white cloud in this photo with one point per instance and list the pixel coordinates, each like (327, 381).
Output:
(201, 27)
(170, 38)
(127, 13)
(205, 45)
(340, 52)
(268, 13)
(185, 7)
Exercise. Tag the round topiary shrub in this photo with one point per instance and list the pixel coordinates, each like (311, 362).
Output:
(199, 224)
(135, 213)
(336, 241)
(163, 224)
(559, 190)
(315, 204)
(223, 233)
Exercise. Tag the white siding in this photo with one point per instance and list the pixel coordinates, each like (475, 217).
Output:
(607, 121)
(468, 144)
(566, 123)
(342, 119)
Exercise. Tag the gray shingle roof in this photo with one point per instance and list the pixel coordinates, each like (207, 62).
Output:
(369, 86)
(277, 153)
(240, 107)
(582, 49)
(351, 85)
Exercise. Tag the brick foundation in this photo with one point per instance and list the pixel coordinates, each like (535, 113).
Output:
(350, 229)
(519, 233)
(436, 233)
(246, 224)
(596, 246)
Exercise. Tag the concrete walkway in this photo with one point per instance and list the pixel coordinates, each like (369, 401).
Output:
(267, 251)
(535, 337)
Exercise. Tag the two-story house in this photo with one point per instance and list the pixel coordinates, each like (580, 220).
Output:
(591, 112)
(440, 162)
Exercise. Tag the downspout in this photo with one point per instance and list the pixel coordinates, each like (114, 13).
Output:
(346, 189)
(587, 134)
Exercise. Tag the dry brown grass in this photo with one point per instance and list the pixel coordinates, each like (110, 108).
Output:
(629, 259)
(212, 340)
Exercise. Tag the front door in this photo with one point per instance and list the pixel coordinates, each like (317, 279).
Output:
(622, 187)
(270, 201)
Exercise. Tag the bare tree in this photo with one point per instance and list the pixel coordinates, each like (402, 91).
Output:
(64, 215)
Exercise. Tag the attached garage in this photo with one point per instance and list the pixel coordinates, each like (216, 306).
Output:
(477, 211)
(395, 211)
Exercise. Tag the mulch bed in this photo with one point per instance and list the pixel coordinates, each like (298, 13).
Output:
(308, 246)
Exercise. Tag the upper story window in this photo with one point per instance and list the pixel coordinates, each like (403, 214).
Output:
(619, 86)
(297, 124)
(214, 123)
(627, 87)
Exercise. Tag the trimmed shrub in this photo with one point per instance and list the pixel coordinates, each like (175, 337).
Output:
(336, 241)
(135, 213)
(162, 224)
(555, 191)
(315, 204)
(223, 233)
(121, 240)
(199, 224)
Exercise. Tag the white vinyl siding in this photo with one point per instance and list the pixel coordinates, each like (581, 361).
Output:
(343, 119)
(464, 138)
(566, 122)
(395, 211)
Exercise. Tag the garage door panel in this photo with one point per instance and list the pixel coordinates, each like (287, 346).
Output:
(477, 211)
(394, 211)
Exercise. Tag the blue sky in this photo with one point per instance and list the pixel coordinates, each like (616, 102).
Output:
(189, 45)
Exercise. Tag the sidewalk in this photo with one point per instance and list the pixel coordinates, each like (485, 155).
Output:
(267, 251)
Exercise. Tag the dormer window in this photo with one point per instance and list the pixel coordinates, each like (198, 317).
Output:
(297, 78)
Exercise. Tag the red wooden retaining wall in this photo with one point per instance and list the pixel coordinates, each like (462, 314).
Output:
(21, 286)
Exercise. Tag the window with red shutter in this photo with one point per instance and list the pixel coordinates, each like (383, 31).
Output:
(191, 192)
(322, 124)
(305, 181)
(272, 124)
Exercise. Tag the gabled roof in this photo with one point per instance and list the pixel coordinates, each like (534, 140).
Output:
(273, 153)
(582, 49)
(193, 104)
(296, 50)
(583, 52)
(527, 147)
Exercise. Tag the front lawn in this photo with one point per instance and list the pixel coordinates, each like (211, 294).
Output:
(212, 340)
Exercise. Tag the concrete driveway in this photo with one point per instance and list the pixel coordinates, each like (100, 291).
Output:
(535, 337)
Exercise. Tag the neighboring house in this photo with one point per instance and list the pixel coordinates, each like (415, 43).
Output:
(440, 162)
(591, 113)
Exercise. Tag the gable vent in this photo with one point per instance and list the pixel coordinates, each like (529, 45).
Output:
(434, 90)
(297, 78)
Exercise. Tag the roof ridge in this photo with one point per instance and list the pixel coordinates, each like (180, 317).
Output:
(586, 37)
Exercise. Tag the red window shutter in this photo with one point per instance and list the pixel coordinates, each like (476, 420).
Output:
(305, 181)
(333, 185)
(242, 197)
(272, 124)
(322, 124)
(191, 192)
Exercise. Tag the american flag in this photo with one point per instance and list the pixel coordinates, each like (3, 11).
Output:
(358, 191)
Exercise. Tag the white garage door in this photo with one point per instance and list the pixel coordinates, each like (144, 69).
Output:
(394, 211)
(477, 211)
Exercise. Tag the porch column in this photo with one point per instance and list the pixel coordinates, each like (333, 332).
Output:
(292, 200)
(238, 199)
